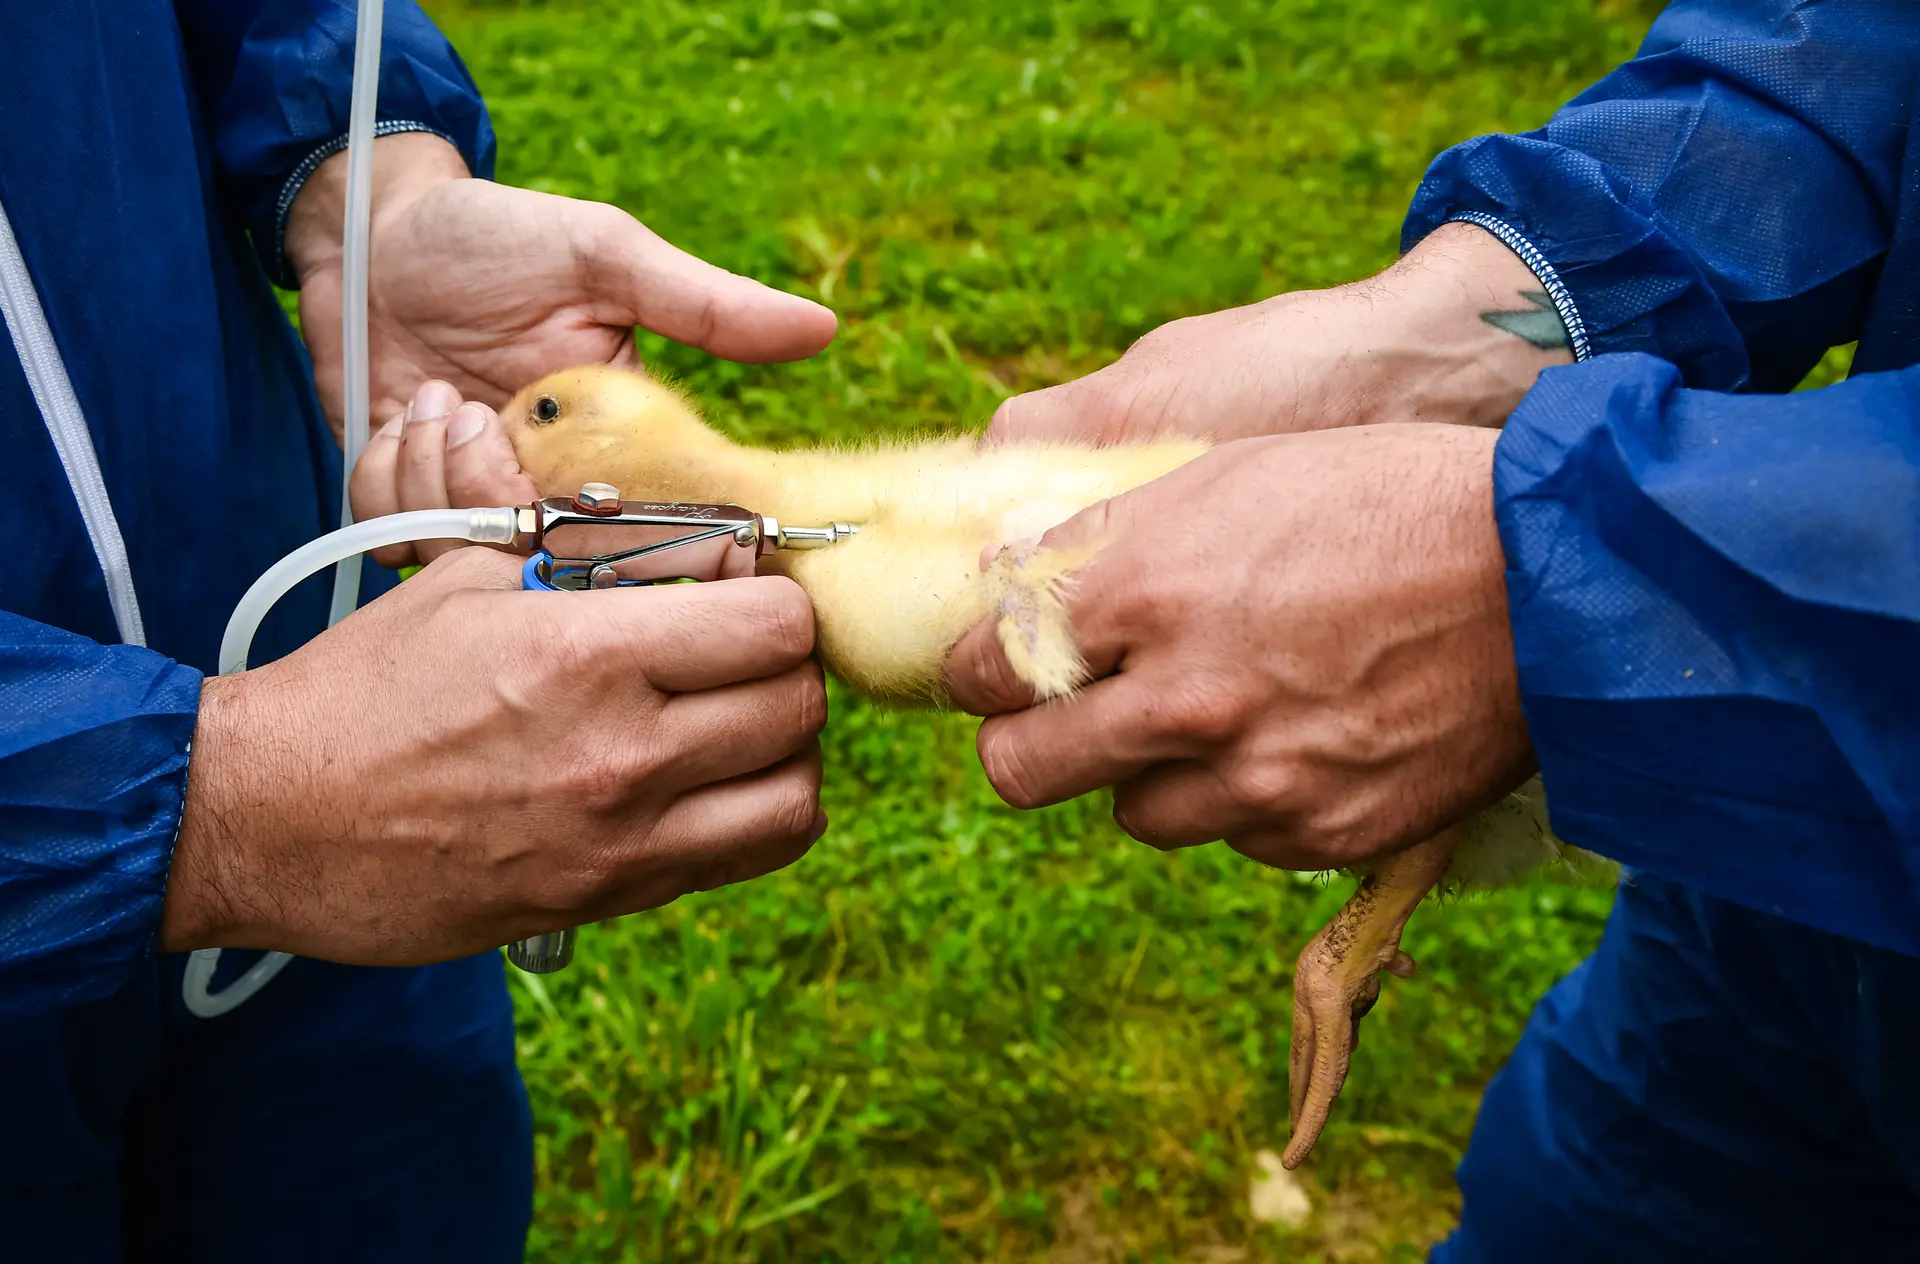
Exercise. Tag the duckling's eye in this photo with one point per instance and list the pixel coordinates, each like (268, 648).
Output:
(546, 408)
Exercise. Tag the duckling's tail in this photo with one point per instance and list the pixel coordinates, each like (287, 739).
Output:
(1028, 589)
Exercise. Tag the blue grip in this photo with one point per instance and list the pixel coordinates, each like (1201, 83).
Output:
(530, 574)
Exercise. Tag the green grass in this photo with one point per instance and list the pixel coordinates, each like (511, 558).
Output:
(956, 1031)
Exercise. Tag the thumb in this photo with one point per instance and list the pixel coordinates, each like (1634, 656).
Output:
(1082, 535)
(978, 674)
(482, 467)
(1073, 412)
(640, 279)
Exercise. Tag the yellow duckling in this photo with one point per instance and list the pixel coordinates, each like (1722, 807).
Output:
(891, 602)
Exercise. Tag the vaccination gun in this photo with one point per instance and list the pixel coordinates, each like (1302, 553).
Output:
(595, 506)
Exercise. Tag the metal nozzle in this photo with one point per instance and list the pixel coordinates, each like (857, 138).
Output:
(781, 536)
(543, 954)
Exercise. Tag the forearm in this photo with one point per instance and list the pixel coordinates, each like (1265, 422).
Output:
(234, 812)
(1454, 332)
(1457, 331)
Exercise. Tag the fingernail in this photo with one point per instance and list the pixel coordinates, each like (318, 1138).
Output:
(392, 428)
(467, 421)
(433, 399)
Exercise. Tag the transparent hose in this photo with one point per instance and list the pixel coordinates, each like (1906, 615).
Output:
(356, 396)
(480, 526)
(353, 280)
(205, 1003)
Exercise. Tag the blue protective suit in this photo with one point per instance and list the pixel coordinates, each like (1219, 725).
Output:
(1715, 593)
(148, 156)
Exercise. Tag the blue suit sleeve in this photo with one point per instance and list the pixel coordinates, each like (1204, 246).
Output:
(1716, 615)
(93, 769)
(276, 76)
(1724, 200)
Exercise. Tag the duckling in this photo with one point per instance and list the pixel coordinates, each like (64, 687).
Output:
(892, 601)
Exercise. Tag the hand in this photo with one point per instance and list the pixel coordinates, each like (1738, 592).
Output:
(489, 287)
(1430, 339)
(1299, 644)
(458, 766)
(443, 452)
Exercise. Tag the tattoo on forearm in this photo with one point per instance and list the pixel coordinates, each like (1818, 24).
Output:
(1540, 325)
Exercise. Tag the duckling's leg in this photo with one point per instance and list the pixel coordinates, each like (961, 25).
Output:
(1338, 980)
(1028, 587)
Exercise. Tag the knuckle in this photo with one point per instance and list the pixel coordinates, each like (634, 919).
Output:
(712, 317)
(979, 677)
(604, 775)
(1135, 819)
(784, 614)
(1002, 425)
(1165, 343)
(758, 861)
(1264, 790)
(576, 655)
(1345, 827)
(779, 855)
(1094, 522)
(1208, 710)
(560, 882)
(793, 802)
(810, 700)
(1008, 768)
(1166, 592)
(1102, 396)
(1148, 344)
(569, 648)
(588, 880)
(995, 679)
(1065, 409)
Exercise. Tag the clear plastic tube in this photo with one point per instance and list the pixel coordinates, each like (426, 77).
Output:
(345, 546)
(353, 280)
(479, 526)
(196, 986)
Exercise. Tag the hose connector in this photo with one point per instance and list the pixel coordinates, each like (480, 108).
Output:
(494, 526)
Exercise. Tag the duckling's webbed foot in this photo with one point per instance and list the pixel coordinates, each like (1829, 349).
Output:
(1337, 981)
(1029, 586)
